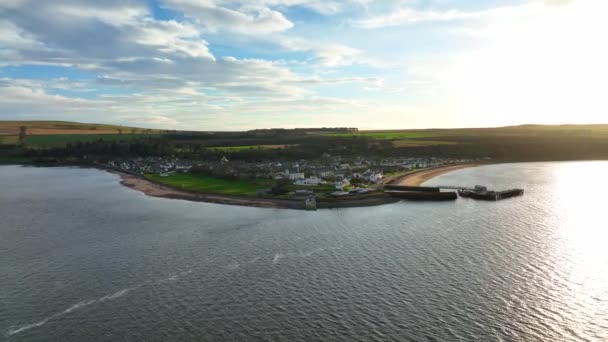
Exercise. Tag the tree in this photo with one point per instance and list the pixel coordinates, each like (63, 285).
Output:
(22, 135)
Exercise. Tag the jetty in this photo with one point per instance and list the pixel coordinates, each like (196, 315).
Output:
(480, 192)
(419, 193)
(435, 193)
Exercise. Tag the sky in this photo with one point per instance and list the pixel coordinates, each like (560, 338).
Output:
(245, 64)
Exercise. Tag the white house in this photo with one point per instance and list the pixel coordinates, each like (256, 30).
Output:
(341, 184)
(375, 177)
(295, 176)
(326, 174)
(311, 181)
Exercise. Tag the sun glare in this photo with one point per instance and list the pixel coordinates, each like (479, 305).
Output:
(580, 216)
(549, 66)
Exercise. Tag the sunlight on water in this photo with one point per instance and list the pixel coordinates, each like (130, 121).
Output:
(581, 205)
(583, 234)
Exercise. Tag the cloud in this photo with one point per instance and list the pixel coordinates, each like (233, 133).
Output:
(408, 15)
(213, 17)
(327, 54)
(130, 49)
(155, 120)
(324, 7)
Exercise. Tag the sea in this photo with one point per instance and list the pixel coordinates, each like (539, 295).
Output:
(83, 258)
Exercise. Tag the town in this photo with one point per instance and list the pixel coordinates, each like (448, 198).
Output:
(334, 174)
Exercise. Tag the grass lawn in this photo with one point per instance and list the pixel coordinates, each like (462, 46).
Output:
(245, 148)
(384, 135)
(202, 183)
(59, 140)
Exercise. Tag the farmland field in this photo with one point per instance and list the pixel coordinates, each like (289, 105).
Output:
(415, 143)
(202, 183)
(8, 139)
(384, 135)
(59, 140)
(245, 147)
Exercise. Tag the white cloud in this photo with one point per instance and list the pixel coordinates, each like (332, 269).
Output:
(131, 49)
(216, 18)
(327, 54)
(409, 15)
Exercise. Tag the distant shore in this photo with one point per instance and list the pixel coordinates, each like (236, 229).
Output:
(153, 189)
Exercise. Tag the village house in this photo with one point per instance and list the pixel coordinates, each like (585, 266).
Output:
(310, 181)
(342, 184)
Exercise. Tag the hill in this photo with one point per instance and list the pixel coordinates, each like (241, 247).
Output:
(11, 128)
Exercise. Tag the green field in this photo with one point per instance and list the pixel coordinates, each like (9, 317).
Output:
(202, 183)
(385, 135)
(59, 140)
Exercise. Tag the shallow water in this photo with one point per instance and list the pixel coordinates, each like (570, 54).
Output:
(83, 258)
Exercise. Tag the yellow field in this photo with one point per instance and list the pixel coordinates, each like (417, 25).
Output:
(60, 127)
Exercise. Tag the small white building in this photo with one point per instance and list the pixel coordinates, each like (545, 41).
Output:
(327, 174)
(341, 184)
(310, 181)
(295, 176)
(375, 177)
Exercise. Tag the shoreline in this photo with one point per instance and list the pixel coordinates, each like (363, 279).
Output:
(418, 177)
(153, 189)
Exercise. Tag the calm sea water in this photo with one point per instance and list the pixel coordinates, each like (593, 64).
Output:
(83, 258)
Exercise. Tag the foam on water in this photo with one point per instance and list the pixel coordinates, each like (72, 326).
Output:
(72, 308)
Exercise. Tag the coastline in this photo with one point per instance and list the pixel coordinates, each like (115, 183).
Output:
(153, 189)
(149, 188)
(418, 177)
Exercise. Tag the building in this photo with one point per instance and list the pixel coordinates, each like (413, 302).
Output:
(295, 176)
(310, 181)
(375, 177)
(341, 184)
(327, 174)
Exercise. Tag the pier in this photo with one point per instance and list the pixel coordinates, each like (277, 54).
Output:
(427, 193)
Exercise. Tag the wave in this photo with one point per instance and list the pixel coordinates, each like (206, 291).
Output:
(72, 308)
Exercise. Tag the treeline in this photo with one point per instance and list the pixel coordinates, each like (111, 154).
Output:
(313, 146)
(101, 148)
(520, 148)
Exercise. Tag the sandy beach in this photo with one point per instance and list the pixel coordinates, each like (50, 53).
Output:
(417, 178)
(156, 190)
